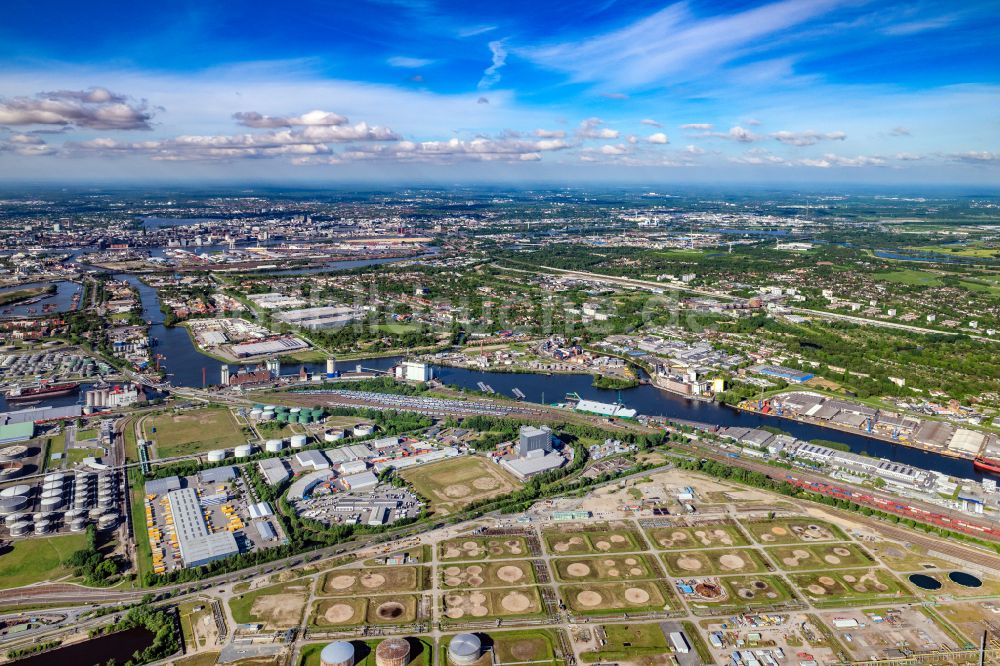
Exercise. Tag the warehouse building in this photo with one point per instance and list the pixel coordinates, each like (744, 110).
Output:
(16, 432)
(197, 545)
(319, 318)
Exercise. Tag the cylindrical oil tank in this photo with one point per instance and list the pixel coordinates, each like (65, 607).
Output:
(10, 469)
(267, 416)
(392, 652)
(52, 494)
(42, 527)
(73, 514)
(217, 455)
(243, 450)
(298, 441)
(78, 525)
(282, 417)
(19, 489)
(105, 502)
(339, 653)
(13, 504)
(273, 445)
(270, 408)
(94, 514)
(20, 529)
(464, 649)
(13, 452)
(255, 414)
(55, 476)
(52, 503)
(83, 502)
(12, 518)
(333, 436)
(107, 521)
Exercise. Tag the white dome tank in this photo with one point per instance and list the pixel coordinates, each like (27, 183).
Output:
(298, 441)
(274, 445)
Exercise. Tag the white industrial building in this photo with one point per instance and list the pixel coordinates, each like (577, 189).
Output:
(197, 545)
(319, 318)
(414, 371)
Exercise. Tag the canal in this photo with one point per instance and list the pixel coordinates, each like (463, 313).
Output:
(99, 651)
(184, 364)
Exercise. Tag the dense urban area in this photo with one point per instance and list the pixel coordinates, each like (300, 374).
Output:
(481, 427)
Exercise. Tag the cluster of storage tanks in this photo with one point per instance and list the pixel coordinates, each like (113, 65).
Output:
(282, 414)
(247, 450)
(72, 500)
(11, 466)
(390, 652)
(49, 362)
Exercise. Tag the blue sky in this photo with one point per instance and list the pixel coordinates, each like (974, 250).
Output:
(388, 90)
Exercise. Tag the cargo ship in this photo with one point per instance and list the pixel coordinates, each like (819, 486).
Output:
(18, 393)
(988, 465)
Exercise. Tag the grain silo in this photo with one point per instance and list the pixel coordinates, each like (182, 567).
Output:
(338, 653)
(392, 652)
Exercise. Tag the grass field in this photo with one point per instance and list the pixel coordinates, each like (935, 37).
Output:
(344, 582)
(714, 562)
(195, 431)
(35, 560)
(490, 574)
(603, 568)
(352, 611)
(421, 652)
(452, 484)
(604, 598)
(483, 548)
(706, 536)
(793, 530)
(76, 455)
(527, 646)
(626, 642)
(500, 603)
(592, 539)
(193, 623)
(825, 588)
(911, 277)
(276, 607)
(805, 558)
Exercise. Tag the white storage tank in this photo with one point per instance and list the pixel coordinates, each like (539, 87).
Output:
(19, 489)
(364, 430)
(333, 436)
(298, 441)
(55, 476)
(464, 649)
(107, 521)
(243, 451)
(338, 653)
(20, 529)
(78, 525)
(12, 518)
(217, 455)
(13, 504)
(274, 445)
(42, 527)
(52, 503)
(255, 414)
(267, 415)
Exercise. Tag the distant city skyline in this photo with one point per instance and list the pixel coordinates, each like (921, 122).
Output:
(788, 91)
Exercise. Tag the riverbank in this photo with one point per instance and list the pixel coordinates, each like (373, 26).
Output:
(869, 435)
(10, 297)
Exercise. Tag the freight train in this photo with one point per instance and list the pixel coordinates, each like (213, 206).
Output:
(897, 507)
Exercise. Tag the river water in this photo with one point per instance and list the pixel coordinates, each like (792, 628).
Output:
(96, 651)
(62, 299)
(186, 366)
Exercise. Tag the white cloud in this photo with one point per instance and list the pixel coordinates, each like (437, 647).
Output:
(830, 160)
(658, 138)
(550, 134)
(95, 108)
(674, 45)
(310, 119)
(591, 129)
(609, 149)
(694, 150)
(737, 133)
(650, 122)
(900, 131)
(407, 62)
(491, 75)
(807, 137)
(975, 156)
(697, 126)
